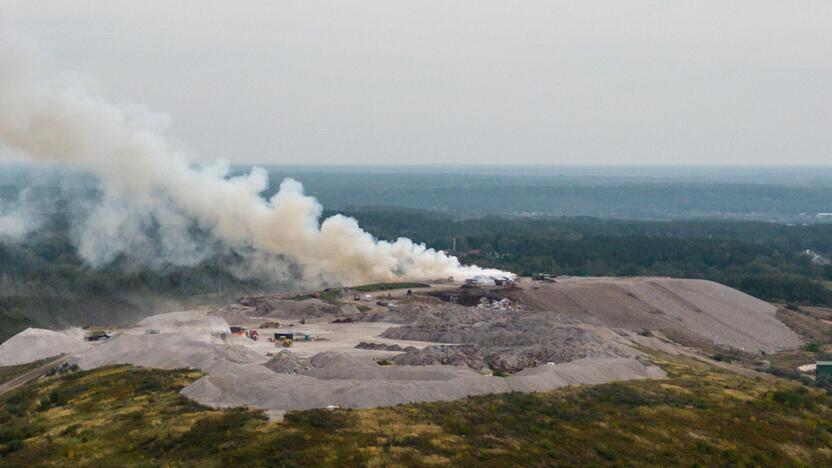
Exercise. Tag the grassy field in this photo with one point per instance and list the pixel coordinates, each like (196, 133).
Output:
(698, 416)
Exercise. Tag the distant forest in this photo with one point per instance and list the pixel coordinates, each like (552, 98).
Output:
(43, 281)
(762, 259)
(742, 227)
(673, 196)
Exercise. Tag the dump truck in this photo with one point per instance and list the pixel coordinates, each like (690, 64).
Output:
(98, 335)
(239, 331)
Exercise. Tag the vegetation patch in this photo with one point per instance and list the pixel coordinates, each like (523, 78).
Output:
(699, 415)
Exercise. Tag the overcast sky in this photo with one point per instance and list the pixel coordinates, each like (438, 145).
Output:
(474, 81)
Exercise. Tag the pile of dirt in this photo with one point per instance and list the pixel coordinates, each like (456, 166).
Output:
(235, 314)
(506, 341)
(458, 355)
(297, 309)
(434, 313)
(165, 351)
(701, 313)
(287, 362)
(34, 344)
(391, 385)
(270, 306)
(382, 347)
(333, 365)
(192, 321)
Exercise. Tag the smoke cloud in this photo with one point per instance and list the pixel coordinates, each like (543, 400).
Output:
(148, 183)
(18, 216)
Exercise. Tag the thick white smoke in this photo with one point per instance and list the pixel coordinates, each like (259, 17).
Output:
(147, 181)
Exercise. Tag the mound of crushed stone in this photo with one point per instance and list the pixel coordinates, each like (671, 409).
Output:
(459, 355)
(298, 309)
(166, 351)
(332, 365)
(382, 346)
(505, 341)
(237, 375)
(287, 362)
(192, 321)
(269, 306)
(278, 392)
(702, 312)
(34, 344)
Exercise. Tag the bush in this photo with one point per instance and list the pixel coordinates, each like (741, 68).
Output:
(321, 419)
(799, 397)
(812, 347)
(10, 447)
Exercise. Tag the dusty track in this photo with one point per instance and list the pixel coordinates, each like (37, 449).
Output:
(32, 375)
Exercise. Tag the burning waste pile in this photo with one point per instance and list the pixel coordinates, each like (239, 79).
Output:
(148, 182)
(499, 304)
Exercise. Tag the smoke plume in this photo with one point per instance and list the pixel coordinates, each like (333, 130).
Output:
(147, 182)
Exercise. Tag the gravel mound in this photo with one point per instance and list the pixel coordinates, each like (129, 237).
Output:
(282, 392)
(34, 344)
(192, 321)
(287, 362)
(505, 341)
(461, 355)
(382, 346)
(165, 351)
(703, 312)
(269, 306)
(333, 365)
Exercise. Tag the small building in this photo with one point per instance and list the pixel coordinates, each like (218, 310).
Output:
(823, 368)
(816, 258)
(284, 336)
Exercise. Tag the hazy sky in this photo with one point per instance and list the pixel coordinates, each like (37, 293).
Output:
(368, 82)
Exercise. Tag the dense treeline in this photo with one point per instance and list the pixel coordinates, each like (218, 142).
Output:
(762, 259)
(43, 282)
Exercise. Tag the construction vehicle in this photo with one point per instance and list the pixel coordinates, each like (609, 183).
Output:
(284, 336)
(287, 343)
(99, 335)
(239, 331)
(254, 335)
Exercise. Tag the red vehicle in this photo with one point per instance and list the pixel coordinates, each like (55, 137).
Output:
(254, 335)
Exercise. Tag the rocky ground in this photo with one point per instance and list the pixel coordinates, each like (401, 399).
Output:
(434, 344)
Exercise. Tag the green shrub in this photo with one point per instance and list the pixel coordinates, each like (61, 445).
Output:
(321, 419)
(812, 347)
(799, 397)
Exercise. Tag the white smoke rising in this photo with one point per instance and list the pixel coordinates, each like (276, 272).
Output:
(147, 182)
(18, 217)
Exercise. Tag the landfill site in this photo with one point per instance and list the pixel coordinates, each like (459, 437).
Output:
(445, 340)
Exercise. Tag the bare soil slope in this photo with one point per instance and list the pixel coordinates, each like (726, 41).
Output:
(697, 311)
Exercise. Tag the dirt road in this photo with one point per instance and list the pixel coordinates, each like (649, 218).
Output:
(33, 374)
